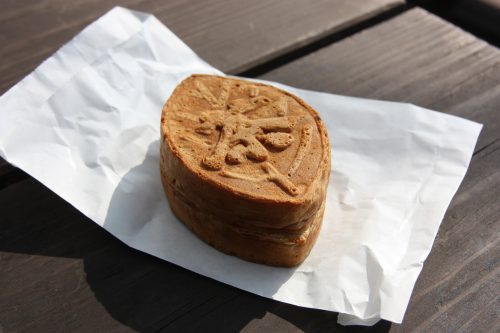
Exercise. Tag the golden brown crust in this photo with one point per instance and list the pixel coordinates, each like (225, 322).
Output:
(245, 166)
(288, 253)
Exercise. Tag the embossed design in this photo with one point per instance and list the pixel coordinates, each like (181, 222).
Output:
(305, 142)
(193, 139)
(243, 137)
(241, 133)
(205, 93)
(270, 174)
(254, 91)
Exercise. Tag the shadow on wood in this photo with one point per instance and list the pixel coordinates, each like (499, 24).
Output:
(479, 17)
(60, 269)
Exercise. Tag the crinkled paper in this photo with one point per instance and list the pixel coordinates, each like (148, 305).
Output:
(86, 124)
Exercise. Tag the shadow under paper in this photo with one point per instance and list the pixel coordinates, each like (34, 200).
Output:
(139, 215)
(135, 289)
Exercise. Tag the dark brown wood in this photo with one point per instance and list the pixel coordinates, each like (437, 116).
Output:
(418, 58)
(61, 272)
(461, 276)
(415, 58)
(481, 17)
(231, 35)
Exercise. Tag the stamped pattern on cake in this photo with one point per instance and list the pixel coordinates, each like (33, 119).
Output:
(242, 138)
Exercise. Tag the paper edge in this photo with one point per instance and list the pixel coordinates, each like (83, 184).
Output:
(344, 318)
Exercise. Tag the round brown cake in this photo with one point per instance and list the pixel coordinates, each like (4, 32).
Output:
(245, 166)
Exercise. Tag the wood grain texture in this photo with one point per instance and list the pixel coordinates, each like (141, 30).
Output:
(480, 16)
(461, 276)
(231, 35)
(61, 272)
(418, 58)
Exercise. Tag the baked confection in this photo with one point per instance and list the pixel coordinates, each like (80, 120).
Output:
(245, 166)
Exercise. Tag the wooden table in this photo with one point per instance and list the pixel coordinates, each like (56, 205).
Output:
(60, 272)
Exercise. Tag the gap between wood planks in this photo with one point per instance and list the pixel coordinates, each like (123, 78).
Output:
(478, 17)
(314, 46)
(10, 175)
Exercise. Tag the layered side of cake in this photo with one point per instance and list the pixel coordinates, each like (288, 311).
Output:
(245, 166)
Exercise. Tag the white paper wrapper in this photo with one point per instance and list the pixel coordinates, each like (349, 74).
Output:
(86, 124)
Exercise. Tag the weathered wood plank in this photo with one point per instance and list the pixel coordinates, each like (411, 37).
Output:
(488, 319)
(418, 58)
(95, 283)
(231, 35)
(481, 17)
(459, 275)
(61, 272)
